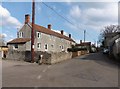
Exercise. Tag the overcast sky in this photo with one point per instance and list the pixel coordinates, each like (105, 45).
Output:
(89, 16)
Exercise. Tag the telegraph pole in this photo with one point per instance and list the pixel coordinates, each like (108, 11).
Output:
(32, 31)
(84, 35)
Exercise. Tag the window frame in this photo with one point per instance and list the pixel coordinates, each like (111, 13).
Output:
(20, 34)
(38, 45)
(46, 45)
(38, 35)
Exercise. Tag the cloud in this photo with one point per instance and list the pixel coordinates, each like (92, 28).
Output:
(75, 12)
(92, 17)
(3, 35)
(7, 19)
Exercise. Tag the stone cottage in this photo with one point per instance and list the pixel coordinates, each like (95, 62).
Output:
(46, 40)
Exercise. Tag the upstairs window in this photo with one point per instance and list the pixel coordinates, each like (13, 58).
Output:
(38, 34)
(20, 34)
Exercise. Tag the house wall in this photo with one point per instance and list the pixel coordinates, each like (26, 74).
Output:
(116, 49)
(108, 37)
(21, 47)
(26, 31)
(44, 39)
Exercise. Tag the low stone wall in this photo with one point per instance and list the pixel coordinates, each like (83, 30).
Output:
(58, 57)
(78, 53)
(26, 55)
(16, 55)
(48, 58)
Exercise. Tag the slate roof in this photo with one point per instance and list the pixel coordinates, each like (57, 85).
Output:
(51, 32)
(19, 40)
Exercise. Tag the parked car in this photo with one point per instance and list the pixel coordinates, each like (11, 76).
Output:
(105, 51)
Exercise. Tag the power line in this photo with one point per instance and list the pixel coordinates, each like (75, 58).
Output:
(57, 13)
(65, 18)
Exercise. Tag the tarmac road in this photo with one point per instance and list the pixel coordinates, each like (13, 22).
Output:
(91, 70)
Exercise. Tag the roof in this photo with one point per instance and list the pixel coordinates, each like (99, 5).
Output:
(50, 32)
(19, 40)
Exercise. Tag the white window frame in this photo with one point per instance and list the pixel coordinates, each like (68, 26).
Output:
(20, 34)
(14, 48)
(38, 45)
(38, 35)
(45, 46)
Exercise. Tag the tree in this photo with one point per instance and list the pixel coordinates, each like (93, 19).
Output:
(106, 30)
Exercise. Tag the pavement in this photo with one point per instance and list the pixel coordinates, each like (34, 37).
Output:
(91, 70)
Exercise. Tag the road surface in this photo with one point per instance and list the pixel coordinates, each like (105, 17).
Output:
(91, 70)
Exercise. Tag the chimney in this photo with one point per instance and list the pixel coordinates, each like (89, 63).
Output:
(69, 35)
(80, 41)
(49, 26)
(62, 32)
(27, 18)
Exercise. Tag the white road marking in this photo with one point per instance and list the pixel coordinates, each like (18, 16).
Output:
(39, 77)
(44, 70)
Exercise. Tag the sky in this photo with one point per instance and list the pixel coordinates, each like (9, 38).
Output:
(89, 16)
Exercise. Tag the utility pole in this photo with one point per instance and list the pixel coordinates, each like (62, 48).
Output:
(84, 35)
(32, 31)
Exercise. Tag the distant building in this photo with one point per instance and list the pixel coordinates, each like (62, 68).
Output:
(108, 37)
(114, 46)
(45, 39)
(83, 45)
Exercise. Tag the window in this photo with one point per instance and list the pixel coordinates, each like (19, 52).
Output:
(38, 45)
(16, 46)
(20, 34)
(46, 47)
(38, 34)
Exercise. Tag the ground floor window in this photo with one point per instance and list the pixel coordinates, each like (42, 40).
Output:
(46, 46)
(16, 46)
(38, 45)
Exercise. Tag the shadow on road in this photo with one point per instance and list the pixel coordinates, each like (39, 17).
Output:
(101, 59)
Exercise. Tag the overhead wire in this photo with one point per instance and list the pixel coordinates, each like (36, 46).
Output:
(66, 19)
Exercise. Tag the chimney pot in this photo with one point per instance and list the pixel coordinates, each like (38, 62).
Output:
(49, 26)
(69, 35)
(80, 41)
(62, 32)
(27, 18)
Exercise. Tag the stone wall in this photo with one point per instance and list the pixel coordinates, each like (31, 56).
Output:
(58, 57)
(48, 58)
(79, 53)
(26, 55)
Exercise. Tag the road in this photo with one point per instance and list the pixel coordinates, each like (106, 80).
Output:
(91, 70)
